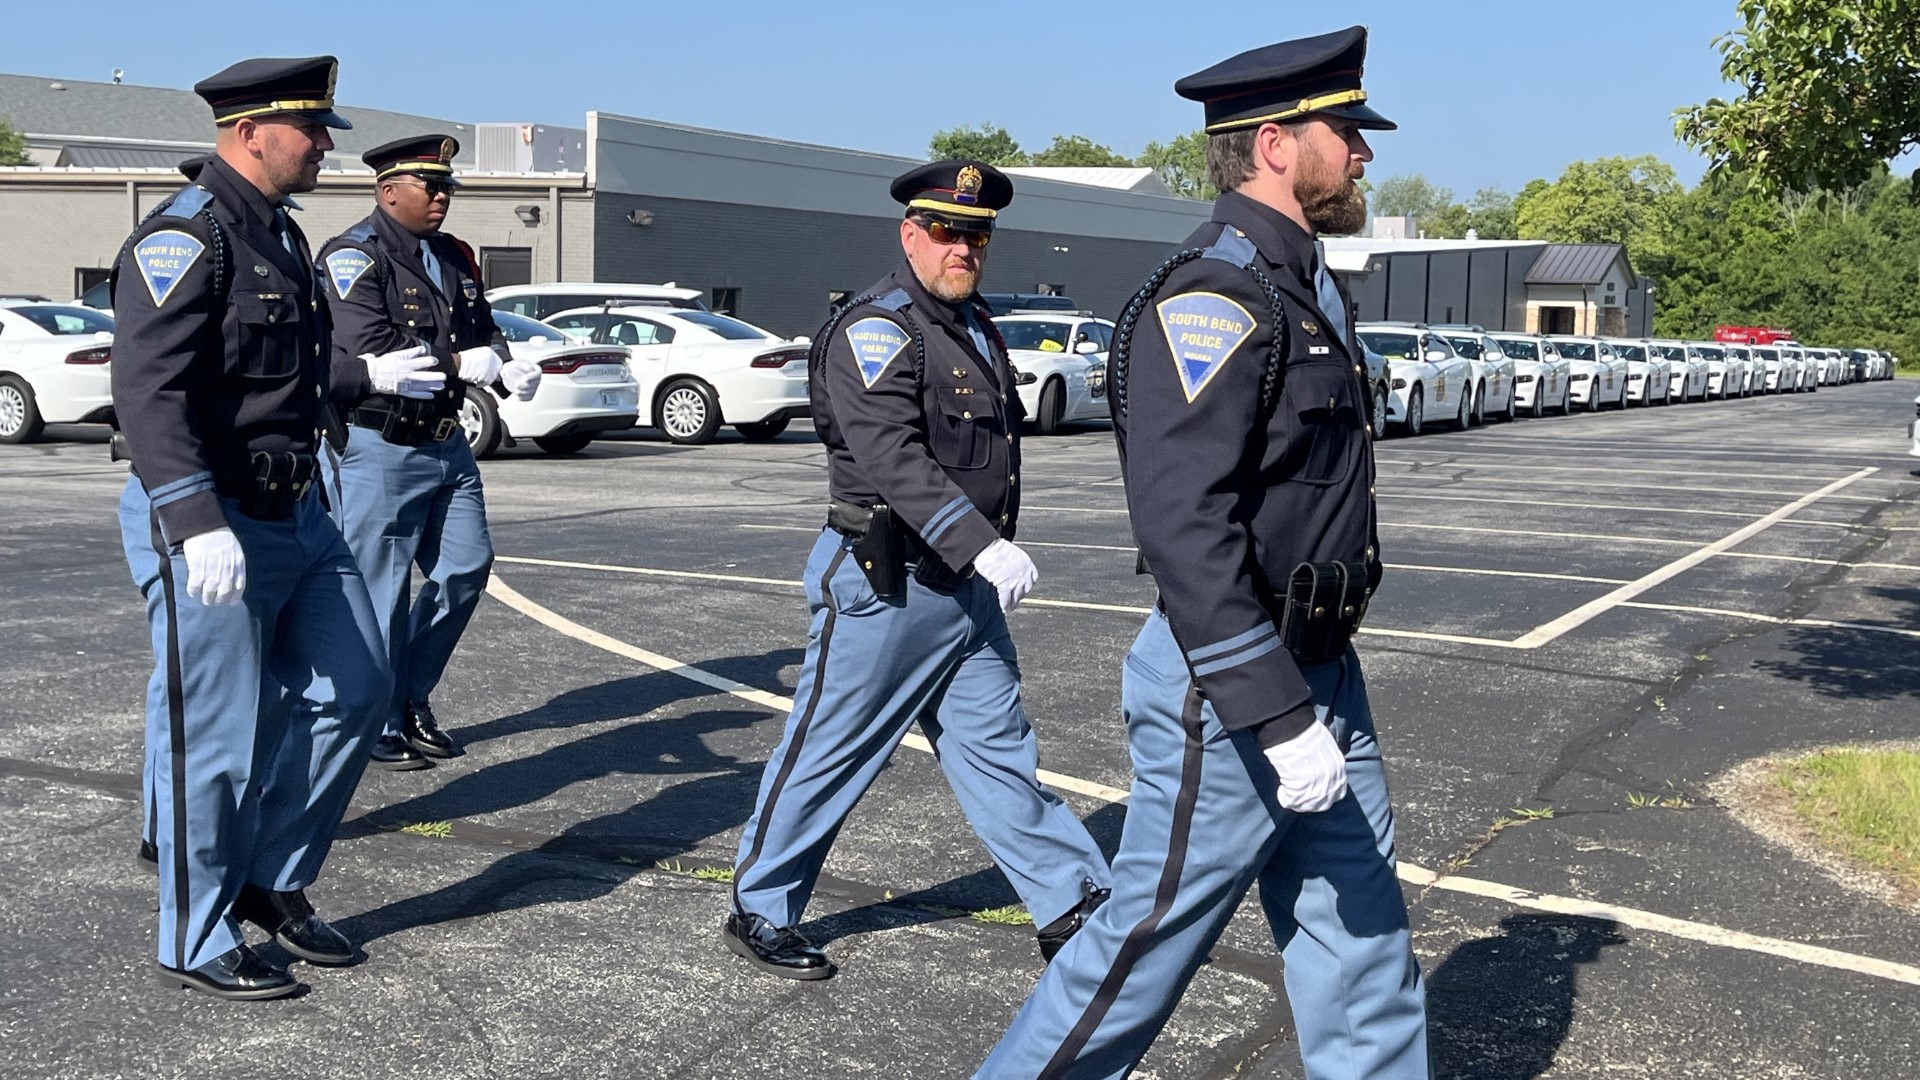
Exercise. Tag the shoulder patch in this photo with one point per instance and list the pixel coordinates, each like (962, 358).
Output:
(875, 343)
(1203, 329)
(163, 258)
(345, 266)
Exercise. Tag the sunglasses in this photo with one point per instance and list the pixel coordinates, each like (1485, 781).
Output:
(432, 187)
(942, 233)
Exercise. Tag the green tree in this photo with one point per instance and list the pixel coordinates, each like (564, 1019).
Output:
(1410, 193)
(1605, 201)
(13, 145)
(987, 142)
(1490, 215)
(1450, 222)
(1182, 165)
(1830, 92)
(1078, 150)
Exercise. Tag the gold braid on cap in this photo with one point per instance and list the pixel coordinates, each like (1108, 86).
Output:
(271, 107)
(1297, 109)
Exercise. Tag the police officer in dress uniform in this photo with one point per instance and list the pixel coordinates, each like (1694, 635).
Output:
(909, 586)
(408, 486)
(269, 671)
(1241, 412)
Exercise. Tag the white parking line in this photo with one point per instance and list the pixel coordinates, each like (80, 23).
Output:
(1483, 530)
(1825, 624)
(1654, 487)
(1685, 929)
(1579, 616)
(1688, 511)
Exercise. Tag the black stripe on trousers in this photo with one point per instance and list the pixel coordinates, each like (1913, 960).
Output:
(1138, 938)
(176, 750)
(799, 731)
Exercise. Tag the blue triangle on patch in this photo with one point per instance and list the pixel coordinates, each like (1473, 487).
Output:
(1203, 329)
(345, 266)
(875, 343)
(163, 258)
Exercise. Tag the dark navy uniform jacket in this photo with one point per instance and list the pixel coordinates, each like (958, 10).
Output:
(383, 300)
(220, 347)
(938, 442)
(1225, 502)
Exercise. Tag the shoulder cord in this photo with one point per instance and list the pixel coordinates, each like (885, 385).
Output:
(823, 343)
(218, 236)
(1270, 381)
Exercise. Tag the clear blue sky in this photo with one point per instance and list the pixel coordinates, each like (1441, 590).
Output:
(1490, 93)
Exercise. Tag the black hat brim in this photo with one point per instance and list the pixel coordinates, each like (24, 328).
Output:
(329, 118)
(957, 222)
(436, 175)
(1362, 116)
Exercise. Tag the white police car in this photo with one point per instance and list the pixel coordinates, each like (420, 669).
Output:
(1428, 375)
(585, 390)
(55, 367)
(1913, 429)
(1540, 379)
(1599, 374)
(1055, 355)
(1649, 375)
(1494, 372)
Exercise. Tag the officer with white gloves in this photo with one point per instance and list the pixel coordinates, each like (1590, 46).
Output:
(908, 587)
(409, 488)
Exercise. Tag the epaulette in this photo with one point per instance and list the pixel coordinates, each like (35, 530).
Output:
(187, 202)
(360, 233)
(892, 301)
(1232, 247)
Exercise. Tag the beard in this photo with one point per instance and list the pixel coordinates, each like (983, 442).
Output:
(1332, 202)
(954, 286)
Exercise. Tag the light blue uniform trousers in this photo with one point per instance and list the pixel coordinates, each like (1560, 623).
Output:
(871, 669)
(402, 506)
(1203, 825)
(259, 715)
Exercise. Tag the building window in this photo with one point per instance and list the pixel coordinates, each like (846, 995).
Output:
(726, 300)
(90, 285)
(1045, 289)
(506, 266)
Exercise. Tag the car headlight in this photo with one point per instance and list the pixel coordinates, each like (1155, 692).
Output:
(1578, 377)
(1399, 384)
(1523, 378)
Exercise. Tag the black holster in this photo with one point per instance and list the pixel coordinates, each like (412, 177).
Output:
(878, 545)
(1324, 606)
(280, 481)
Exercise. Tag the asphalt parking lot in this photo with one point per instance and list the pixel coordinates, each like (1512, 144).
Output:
(1598, 615)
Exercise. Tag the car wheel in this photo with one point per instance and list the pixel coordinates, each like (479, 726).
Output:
(19, 414)
(1478, 414)
(480, 420)
(563, 444)
(688, 413)
(763, 430)
(1380, 412)
(1053, 406)
(1513, 406)
(1539, 402)
(1464, 418)
(1416, 410)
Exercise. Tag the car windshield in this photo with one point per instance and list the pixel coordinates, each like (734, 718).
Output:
(1520, 350)
(57, 319)
(726, 326)
(1392, 346)
(1575, 350)
(1671, 352)
(1708, 354)
(521, 328)
(1469, 347)
(1631, 352)
(1034, 335)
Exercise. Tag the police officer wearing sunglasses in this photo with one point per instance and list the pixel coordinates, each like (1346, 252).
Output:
(909, 585)
(1241, 410)
(408, 486)
(269, 671)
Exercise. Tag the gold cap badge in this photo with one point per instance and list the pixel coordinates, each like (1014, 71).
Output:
(966, 187)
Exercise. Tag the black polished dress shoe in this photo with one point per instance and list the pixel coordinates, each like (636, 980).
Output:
(149, 856)
(1053, 936)
(395, 753)
(774, 949)
(239, 974)
(290, 919)
(423, 732)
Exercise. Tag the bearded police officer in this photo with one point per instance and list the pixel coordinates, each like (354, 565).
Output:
(408, 486)
(1242, 415)
(908, 587)
(269, 671)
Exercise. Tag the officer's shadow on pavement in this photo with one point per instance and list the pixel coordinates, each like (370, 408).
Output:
(1499, 1008)
(1843, 663)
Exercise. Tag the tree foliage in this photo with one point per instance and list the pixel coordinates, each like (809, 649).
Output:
(1604, 201)
(1182, 165)
(987, 142)
(1830, 92)
(13, 145)
(1409, 194)
(1078, 150)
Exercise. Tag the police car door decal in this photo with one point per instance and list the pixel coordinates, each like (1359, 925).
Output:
(1203, 329)
(345, 267)
(163, 259)
(875, 343)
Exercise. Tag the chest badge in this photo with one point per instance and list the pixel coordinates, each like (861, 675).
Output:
(875, 343)
(1203, 330)
(471, 291)
(260, 270)
(345, 267)
(1312, 328)
(163, 259)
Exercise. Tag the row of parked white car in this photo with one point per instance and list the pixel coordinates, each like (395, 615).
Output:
(1460, 376)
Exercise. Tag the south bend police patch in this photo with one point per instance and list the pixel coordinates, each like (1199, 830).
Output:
(875, 343)
(163, 258)
(345, 266)
(1203, 329)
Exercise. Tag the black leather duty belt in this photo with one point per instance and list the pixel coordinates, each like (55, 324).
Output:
(405, 427)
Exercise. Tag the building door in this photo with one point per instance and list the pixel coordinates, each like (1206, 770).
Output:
(506, 266)
(1556, 320)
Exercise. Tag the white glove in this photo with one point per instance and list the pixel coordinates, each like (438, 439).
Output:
(479, 365)
(404, 373)
(1008, 570)
(1312, 770)
(216, 567)
(522, 378)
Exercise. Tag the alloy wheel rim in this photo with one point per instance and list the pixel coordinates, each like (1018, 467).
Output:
(684, 412)
(13, 410)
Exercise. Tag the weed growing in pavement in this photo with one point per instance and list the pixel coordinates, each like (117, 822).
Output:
(703, 873)
(438, 830)
(1533, 813)
(1011, 915)
(1865, 803)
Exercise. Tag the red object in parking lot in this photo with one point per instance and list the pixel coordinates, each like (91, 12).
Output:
(1751, 335)
(91, 356)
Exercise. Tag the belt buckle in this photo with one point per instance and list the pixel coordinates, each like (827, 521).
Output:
(445, 427)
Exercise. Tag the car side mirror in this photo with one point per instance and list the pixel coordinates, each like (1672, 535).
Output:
(1087, 348)
(1437, 356)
